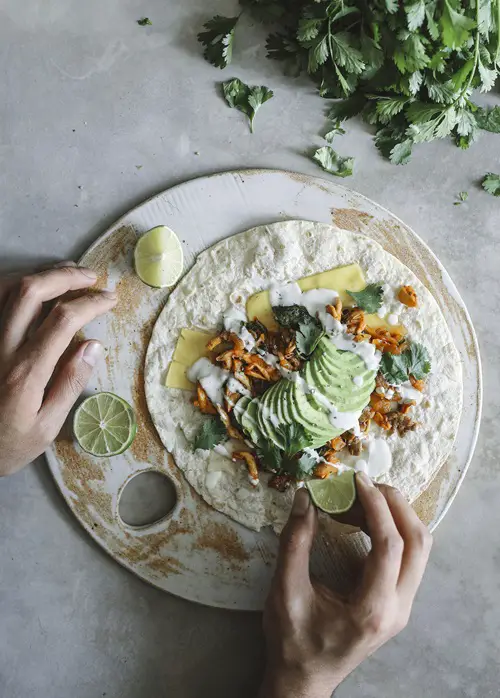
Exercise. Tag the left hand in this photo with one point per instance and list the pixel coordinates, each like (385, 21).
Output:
(40, 377)
(316, 637)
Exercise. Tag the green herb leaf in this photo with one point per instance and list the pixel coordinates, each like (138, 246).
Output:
(388, 107)
(455, 27)
(247, 99)
(308, 337)
(369, 299)
(394, 368)
(462, 196)
(270, 456)
(144, 22)
(414, 361)
(347, 108)
(301, 467)
(333, 163)
(218, 40)
(491, 183)
(336, 130)
(488, 119)
(416, 14)
(295, 437)
(418, 361)
(211, 433)
(292, 316)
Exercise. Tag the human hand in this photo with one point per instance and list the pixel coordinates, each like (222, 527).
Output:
(39, 379)
(316, 637)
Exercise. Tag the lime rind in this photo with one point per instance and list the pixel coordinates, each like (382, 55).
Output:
(159, 258)
(335, 494)
(104, 425)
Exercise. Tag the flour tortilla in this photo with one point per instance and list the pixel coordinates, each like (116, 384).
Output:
(231, 271)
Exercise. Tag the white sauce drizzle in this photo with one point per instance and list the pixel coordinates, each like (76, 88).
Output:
(358, 381)
(408, 392)
(393, 319)
(234, 321)
(235, 386)
(382, 311)
(319, 459)
(379, 457)
(367, 351)
(211, 378)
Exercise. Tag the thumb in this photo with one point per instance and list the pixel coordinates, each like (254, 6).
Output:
(292, 572)
(69, 382)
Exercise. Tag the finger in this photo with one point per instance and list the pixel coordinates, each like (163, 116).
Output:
(417, 543)
(25, 305)
(72, 377)
(54, 335)
(10, 280)
(384, 561)
(292, 571)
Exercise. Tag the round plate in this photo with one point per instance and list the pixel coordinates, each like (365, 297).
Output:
(195, 552)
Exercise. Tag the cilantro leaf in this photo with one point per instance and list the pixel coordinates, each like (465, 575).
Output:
(398, 368)
(336, 130)
(295, 437)
(291, 316)
(144, 22)
(307, 338)
(415, 13)
(347, 108)
(488, 119)
(246, 98)
(333, 163)
(211, 433)
(300, 467)
(388, 107)
(462, 196)
(394, 144)
(270, 456)
(218, 40)
(401, 152)
(369, 299)
(455, 27)
(418, 361)
(394, 368)
(491, 183)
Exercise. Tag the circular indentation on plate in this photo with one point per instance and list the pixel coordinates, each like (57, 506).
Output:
(146, 498)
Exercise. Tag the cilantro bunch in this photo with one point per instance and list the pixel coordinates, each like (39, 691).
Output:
(408, 67)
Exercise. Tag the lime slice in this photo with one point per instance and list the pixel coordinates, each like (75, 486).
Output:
(336, 494)
(158, 257)
(104, 425)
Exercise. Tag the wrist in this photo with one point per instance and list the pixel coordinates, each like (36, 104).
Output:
(296, 682)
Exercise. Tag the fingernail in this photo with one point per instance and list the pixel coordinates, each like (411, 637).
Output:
(364, 479)
(88, 272)
(301, 503)
(92, 353)
(66, 263)
(110, 295)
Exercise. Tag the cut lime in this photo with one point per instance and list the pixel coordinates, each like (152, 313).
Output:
(104, 425)
(158, 257)
(336, 494)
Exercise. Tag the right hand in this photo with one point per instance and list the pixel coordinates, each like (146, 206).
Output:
(40, 380)
(316, 637)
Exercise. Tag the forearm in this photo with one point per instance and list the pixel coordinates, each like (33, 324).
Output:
(295, 684)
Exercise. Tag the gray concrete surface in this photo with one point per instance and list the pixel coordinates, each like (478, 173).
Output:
(87, 96)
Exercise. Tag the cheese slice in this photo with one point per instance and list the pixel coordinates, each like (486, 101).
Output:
(192, 344)
(177, 378)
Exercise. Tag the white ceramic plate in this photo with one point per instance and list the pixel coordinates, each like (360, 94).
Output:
(195, 552)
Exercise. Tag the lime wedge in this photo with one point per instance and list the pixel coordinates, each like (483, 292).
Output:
(158, 257)
(336, 494)
(104, 425)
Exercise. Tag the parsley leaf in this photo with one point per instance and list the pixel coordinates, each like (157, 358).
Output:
(144, 22)
(307, 338)
(369, 299)
(334, 163)
(418, 361)
(397, 369)
(246, 98)
(211, 433)
(218, 40)
(488, 119)
(491, 183)
(291, 316)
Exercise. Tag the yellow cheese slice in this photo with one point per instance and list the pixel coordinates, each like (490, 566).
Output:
(176, 377)
(339, 279)
(191, 346)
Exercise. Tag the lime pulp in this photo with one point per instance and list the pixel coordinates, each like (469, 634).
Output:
(335, 494)
(104, 425)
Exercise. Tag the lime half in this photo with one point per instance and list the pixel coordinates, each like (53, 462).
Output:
(336, 494)
(158, 257)
(104, 425)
